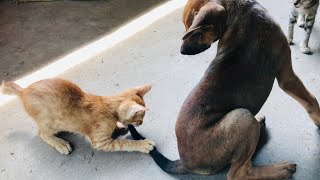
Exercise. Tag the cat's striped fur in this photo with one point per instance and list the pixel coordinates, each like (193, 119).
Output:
(303, 13)
(58, 105)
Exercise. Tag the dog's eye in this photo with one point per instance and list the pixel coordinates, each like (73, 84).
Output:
(197, 35)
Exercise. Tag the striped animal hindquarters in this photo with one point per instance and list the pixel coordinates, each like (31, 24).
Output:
(303, 12)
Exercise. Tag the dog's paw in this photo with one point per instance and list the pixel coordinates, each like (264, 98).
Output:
(284, 170)
(146, 145)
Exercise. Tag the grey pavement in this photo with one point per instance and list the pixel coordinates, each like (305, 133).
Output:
(34, 34)
(152, 56)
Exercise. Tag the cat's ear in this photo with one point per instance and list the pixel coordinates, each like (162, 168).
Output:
(134, 109)
(143, 90)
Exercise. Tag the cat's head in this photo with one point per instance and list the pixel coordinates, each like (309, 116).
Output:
(299, 3)
(132, 107)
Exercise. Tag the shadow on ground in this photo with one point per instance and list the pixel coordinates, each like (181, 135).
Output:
(36, 33)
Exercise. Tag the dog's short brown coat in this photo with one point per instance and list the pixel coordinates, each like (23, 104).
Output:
(216, 124)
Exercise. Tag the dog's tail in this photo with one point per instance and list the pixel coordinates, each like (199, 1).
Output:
(171, 167)
(10, 88)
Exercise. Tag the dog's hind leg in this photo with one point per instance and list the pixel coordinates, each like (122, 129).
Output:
(243, 170)
(292, 85)
(245, 130)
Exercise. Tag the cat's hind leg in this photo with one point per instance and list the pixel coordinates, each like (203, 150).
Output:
(309, 21)
(62, 146)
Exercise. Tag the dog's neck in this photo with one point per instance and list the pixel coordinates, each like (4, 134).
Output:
(235, 9)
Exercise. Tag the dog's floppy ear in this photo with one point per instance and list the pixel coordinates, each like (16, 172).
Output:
(190, 31)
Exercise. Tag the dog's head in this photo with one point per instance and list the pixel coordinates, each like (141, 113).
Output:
(207, 27)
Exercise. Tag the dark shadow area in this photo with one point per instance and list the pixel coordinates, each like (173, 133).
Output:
(263, 139)
(36, 33)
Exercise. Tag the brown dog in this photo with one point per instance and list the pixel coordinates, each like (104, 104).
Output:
(216, 125)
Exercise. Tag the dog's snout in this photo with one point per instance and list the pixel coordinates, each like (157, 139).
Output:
(193, 49)
(183, 50)
(187, 49)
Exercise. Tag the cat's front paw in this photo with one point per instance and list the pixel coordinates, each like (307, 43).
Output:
(146, 145)
(63, 147)
(301, 23)
(305, 50)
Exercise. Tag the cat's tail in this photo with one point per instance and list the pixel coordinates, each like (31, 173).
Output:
(171, 167)
(10, 88)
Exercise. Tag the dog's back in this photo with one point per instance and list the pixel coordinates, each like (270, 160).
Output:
(244, 69)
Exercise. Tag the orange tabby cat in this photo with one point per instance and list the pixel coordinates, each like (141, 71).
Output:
(59, 105)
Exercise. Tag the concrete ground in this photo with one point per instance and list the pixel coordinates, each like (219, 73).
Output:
(34, 34)
(152, 56)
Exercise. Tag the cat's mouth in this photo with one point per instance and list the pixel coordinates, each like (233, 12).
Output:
(136, 124)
